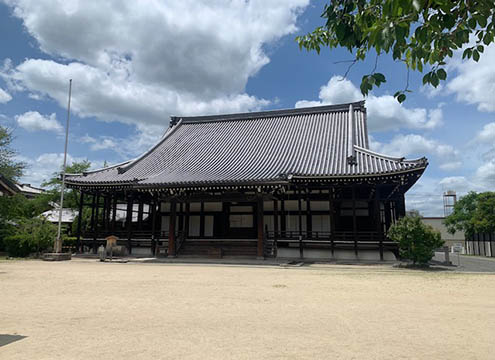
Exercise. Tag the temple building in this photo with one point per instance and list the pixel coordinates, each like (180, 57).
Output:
(283, 183)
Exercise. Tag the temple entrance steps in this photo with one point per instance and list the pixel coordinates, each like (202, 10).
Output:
(219, 248)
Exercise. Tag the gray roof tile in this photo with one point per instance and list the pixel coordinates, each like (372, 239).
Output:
(257, 147)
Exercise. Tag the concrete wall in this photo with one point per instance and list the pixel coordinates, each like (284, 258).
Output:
(450, 239)
(339, 254)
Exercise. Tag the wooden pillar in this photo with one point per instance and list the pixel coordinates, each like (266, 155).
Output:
(79, 222)
(114, 212)
(388, 217)
(108, 205)
(180, 224)
(331, 208)
(153, 225)
(140, 213)
(129, 223)
(103, 214)
(299, 212)
(400, 206)
(354, 220)
(186, 220)
(171, 228)
(259, 221)
(95, 233)
(202, 220)
(275, 219)
(93, 204)
(378, 220)
(309, 220)
(283, 225)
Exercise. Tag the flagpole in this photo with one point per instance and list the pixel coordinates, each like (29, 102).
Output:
(58, 241)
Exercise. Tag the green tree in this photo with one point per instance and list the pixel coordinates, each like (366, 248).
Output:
(422, 34)
(30, 236)
(473, 213)
(9, 167)
(71, 197)
(417, 241)
(484, 215)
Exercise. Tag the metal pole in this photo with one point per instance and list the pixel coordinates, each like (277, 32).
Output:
(58, 242)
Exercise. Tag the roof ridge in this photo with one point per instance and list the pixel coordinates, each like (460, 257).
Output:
(358, 105)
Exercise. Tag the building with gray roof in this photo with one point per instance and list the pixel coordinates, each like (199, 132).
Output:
(259, 184)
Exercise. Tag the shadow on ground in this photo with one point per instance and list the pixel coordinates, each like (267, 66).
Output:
(6, 339)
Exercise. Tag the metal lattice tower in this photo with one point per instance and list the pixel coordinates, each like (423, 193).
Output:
(449, 200)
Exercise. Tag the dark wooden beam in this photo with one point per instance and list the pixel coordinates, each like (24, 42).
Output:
(400, 206)
(331, 208)
(79, 222)
(114, 212)
(153, 205)
(140, 213)
(378, 220)
(202, 220)
(186, 220)
(309, 220)
(388, 217)
(259, 221)
(275, 219)
(354, 220)
(171, 229)
(95, 233)
(283, 225)
(93, 204)
(129, 223)
(299, 212)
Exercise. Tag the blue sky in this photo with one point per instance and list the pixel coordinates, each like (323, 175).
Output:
(134, 65)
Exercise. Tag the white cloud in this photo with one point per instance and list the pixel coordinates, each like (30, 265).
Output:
(143, 138)
(486, 140)
(45, 165)
(384, 112)
(34, 121)
(485, 175)
(487, 134)
(141, 62)
(413, 145)
(427, 194)
(475, 81)
(4, 97)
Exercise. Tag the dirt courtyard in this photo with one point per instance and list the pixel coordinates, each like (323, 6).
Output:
(84, 309)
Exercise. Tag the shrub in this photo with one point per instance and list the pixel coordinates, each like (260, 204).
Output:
(69, 241)
(416, 240)
(29, 236)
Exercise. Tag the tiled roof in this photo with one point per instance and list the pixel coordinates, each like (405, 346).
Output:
(262, 147)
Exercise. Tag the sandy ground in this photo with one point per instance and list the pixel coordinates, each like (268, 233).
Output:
(88, 310)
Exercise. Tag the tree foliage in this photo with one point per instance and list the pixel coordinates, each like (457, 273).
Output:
(473, 213)
(30, 236)
(71, 197)
(422, 34)
(417, 241)
(9, 167)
